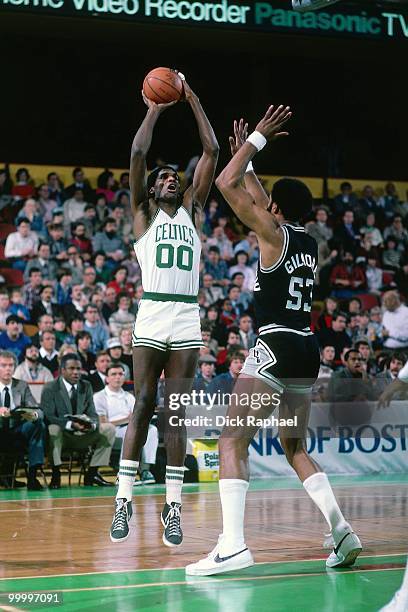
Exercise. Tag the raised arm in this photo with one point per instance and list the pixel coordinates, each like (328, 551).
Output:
(230, 180)
(196, 195)
(252, 183)
(140, 147)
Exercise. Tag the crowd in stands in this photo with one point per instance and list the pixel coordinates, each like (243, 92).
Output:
(70, 282)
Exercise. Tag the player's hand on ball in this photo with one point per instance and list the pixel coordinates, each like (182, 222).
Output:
(271, 124)
(158, 107)
(240, 136)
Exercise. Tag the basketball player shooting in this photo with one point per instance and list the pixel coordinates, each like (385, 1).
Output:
(285, 359)
(167, 332)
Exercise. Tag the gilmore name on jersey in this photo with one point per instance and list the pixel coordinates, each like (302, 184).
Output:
(283, 292)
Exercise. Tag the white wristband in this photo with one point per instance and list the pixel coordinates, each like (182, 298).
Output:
(257, 139)
(249, 168)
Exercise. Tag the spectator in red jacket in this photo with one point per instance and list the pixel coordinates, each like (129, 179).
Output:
(120, 283)
(346, 278)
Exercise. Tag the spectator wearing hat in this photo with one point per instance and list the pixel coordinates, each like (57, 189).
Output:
(206, 373)
(22, 430)
(13, 339)
(31, 370)
(115, 352)
(21, 245)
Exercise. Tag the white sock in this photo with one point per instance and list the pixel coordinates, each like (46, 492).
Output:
(127, 473)
(174, 483)
(404, 587)
(232, 494)
(319, 489)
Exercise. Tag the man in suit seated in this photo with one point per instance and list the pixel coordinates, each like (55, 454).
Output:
(63, 401)
(98, 378)
(19, 430)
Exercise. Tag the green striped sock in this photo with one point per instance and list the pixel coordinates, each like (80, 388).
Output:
(127, 474)
(174, 483)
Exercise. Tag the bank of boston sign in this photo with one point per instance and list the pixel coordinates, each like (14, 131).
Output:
(263, 16)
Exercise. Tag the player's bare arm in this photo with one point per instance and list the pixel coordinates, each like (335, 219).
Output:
(249, 211)
(196, 195)
(137, 179)
(252, 183)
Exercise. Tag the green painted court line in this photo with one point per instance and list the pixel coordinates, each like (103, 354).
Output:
(281, 483)
(169, 575)
(276, 587)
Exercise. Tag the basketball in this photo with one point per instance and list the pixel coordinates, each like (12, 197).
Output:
(163, 85)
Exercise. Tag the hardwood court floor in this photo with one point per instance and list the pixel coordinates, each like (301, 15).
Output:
(60, 541)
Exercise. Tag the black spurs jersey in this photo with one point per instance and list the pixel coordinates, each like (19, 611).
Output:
(283, 292)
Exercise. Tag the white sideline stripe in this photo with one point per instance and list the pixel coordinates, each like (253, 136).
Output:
(135, 503)
(336, 486)
(166, 569)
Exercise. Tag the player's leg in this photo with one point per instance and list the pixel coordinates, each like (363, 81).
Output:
(311, 5)
(148, 364)
(179, 372)
(231, 552)
(347, 545)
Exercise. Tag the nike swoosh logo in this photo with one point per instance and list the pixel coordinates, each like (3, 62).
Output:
(219, 559)
(341, 542)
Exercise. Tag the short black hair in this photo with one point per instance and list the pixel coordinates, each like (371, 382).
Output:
(348, 353)
(114, 366)
(345, 184)
(23, 220)
(151, 179)
(33, 271)
(339, 313)
(293, 198)
(13, 319)
(68, 357)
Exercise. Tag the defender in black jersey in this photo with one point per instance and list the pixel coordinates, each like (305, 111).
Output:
(285, 358)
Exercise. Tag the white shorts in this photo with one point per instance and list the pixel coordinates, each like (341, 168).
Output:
(167, 326)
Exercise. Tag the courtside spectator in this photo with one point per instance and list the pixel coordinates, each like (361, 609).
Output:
(31, 369)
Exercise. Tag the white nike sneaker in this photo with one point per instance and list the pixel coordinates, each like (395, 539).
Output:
(346, 550)
(399, 603)
(214, 564)
(311, 5)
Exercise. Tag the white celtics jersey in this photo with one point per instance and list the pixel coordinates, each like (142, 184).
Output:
(169, 255)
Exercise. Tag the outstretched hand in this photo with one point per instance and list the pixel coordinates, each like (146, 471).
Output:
(154, 106)
(271, 124)
(240, 136)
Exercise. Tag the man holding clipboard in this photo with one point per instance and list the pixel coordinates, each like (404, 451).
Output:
(21, 424)
(73, 423)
